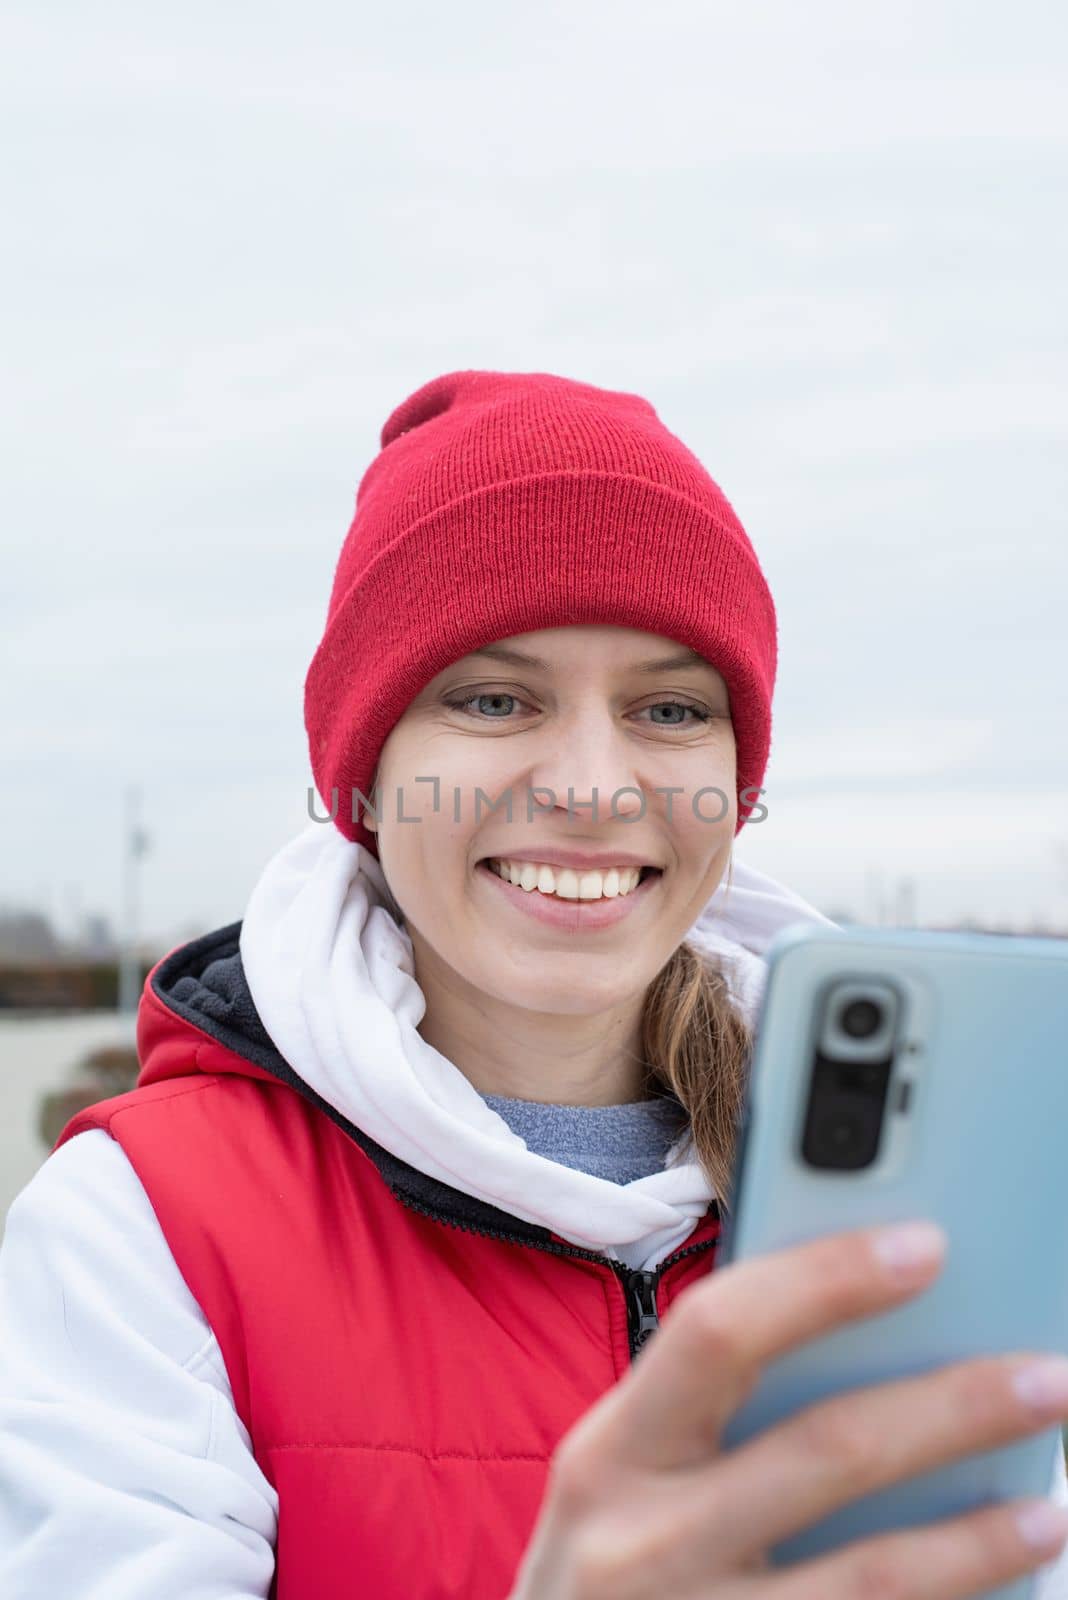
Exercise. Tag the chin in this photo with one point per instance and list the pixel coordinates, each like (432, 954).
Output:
(575, 999)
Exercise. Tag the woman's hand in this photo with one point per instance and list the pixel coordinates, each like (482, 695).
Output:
(641, 1501)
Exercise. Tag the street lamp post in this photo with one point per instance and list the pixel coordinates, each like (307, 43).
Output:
(135, 844)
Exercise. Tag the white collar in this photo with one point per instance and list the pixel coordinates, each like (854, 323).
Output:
(331, 973)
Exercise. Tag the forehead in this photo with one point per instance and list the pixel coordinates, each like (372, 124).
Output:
(628, 649)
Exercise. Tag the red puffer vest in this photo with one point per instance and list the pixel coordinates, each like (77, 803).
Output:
(405, 1357)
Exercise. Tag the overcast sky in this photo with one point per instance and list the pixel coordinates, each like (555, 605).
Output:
(827, 242)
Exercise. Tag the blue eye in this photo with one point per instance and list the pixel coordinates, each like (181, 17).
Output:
(462, 704)
(677, 705)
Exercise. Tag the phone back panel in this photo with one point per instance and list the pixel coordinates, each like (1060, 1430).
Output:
(982, 1148)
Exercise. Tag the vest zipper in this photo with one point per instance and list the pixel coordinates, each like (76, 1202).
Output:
(643, 1318)
(640, 1287)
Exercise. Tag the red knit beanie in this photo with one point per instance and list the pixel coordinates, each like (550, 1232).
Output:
(507, 502)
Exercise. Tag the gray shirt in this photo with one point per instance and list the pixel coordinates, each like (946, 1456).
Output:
(621, 1143)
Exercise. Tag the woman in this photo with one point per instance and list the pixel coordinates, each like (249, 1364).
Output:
(424, 1147)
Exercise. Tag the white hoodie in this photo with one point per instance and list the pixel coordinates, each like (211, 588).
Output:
(125, 1472)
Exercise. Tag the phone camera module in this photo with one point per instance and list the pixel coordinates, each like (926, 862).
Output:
(851, 1067)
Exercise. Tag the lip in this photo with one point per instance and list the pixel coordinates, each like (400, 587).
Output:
(572, 916)
(578, 860)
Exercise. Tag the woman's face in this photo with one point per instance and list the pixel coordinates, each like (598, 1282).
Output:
(589, 719)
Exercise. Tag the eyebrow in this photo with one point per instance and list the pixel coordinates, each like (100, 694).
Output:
(688, 661)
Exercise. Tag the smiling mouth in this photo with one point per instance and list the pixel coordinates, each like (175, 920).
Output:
(549, 886)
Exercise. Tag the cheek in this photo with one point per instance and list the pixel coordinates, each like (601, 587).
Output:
(707, 809)
(704, 849)
(426, 864)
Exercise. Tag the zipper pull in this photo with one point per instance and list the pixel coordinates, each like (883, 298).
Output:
(644, 1319)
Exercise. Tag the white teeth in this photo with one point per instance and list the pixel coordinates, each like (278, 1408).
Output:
(566, 884)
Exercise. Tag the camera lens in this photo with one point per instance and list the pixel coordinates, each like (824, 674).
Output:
(861, 1018)
(842, 1131)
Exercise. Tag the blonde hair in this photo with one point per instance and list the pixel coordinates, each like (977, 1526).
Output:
(697, 1047)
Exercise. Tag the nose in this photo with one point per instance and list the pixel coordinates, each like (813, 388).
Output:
(589, 770)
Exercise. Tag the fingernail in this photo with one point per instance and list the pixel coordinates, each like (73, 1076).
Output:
(1042, 1524)
(1043, 1384)
(910, 1245)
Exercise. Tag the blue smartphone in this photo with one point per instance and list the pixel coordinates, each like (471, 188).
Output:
(903, 1074)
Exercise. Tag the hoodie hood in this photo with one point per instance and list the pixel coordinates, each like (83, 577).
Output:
(316, 987)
